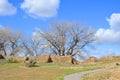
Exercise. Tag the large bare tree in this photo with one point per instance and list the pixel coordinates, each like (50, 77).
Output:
(64, 38)
(10, 40)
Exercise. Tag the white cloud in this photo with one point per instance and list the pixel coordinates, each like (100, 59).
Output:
(114, 21)
(41, 8)
(6, 8)
(111, 35)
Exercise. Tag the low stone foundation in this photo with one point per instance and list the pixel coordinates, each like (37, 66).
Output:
(51, 58)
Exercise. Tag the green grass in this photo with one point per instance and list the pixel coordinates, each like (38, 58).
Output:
(43, 71)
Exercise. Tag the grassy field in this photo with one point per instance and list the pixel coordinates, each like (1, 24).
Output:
(46, 71)
(51, 71)
(109, 74)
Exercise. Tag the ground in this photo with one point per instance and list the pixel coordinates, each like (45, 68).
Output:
(43, 71)
(52, 71)
(109, 74)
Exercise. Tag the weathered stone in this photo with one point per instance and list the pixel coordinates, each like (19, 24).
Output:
(56, 59)
(63, 59)
(43, 58)
(110, 58)
(91, 59)
(107, 58)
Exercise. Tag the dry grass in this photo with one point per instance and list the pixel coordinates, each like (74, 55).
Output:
(109, 74)
(52, 71)
(43, 71)
(18, 71)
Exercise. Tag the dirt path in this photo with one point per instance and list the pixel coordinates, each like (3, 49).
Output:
(78, 76)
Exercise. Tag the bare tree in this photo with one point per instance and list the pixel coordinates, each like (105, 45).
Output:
(4, 38)
(11, 41)
(14, 42)
(65, 38)
(31, 47)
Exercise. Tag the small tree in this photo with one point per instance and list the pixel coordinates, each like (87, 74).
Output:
(66, 38)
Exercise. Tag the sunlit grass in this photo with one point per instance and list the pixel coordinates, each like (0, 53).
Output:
(43, 71)
(50, 71)
(109, 74)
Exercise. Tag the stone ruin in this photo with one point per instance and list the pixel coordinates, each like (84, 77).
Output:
(91, 59)
(110, 58)
(50, 58)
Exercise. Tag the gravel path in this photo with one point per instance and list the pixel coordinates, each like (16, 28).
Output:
(78, 76)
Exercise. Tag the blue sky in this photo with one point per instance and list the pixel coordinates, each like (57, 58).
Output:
(101, 15)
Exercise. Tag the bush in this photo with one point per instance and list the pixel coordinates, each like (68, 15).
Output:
(12, 60)
(117, 64)
(1, 56)
(30, 63)
(3, 61)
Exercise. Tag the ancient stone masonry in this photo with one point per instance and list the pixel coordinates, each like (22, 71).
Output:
(110, 58)
(91, 59)
(51, 58)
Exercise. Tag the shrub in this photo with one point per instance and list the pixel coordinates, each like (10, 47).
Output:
(30, 63)
(27, 58)
(12, 60)
(117, 64)
(1, 56)
(3, 61)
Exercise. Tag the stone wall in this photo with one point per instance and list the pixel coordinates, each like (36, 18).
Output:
(91, 59)
(56, 59)
(43, 58)
(110, 58)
